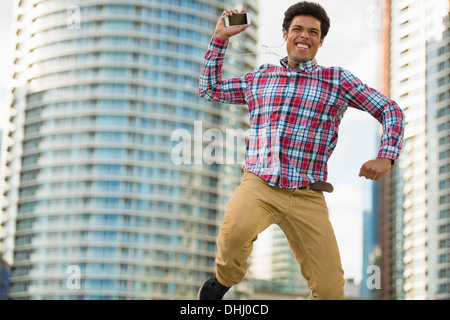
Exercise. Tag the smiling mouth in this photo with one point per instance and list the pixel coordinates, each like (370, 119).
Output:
(302, 45)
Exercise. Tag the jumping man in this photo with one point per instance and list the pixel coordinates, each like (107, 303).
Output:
(295, 110)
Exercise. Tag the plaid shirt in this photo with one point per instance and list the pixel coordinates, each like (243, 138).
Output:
(295, 114)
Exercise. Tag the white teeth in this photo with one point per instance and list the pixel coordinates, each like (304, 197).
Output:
(300, 45)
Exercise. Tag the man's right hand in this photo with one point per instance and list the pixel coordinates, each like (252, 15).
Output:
(227, 32)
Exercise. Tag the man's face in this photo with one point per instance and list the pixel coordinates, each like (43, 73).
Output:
(303, 39)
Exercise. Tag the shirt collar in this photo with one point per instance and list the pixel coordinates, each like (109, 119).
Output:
(307, 66)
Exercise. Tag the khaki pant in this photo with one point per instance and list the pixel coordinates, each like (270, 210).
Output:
(302, 214)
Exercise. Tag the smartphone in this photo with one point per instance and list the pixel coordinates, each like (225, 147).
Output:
(237, 19)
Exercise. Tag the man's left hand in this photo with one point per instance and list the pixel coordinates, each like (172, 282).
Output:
(375, 169)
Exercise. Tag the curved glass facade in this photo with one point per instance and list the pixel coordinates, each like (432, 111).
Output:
(97, 207)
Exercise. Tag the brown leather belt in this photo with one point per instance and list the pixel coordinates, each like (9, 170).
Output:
(319, 186)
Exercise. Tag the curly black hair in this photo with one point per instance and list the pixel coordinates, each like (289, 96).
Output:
(311, 9)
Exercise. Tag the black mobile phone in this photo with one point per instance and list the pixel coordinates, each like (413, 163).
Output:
(237, 19)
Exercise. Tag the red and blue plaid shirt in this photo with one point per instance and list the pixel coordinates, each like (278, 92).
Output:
(295, 114)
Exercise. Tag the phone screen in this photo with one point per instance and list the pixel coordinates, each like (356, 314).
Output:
(238, 19)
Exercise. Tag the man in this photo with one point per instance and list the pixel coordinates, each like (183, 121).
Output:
(295, 110)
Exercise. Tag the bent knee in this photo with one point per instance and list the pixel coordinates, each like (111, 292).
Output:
(234, 245)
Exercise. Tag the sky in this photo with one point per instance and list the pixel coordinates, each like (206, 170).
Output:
(352, 43)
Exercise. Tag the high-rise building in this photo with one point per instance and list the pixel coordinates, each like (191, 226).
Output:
(274, 267)
(370, 254)
(4, 267)
(4, 279)
(415, 215)
(100, 202)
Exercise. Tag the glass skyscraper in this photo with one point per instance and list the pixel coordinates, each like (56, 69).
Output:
(4, 267)
(416, 250)
(273, 266)
(97, 203)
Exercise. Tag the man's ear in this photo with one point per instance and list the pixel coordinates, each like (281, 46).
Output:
(321, 42)
(284, 35)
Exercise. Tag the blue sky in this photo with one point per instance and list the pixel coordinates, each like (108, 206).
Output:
(353, 44)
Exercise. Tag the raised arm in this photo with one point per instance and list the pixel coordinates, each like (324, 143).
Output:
(211, 85)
